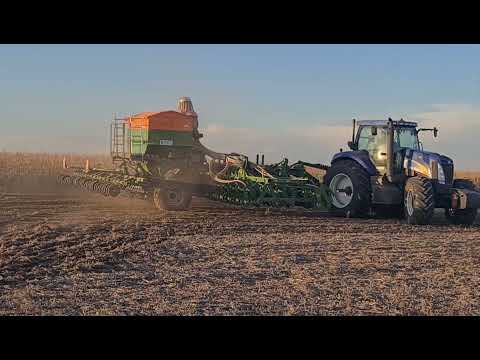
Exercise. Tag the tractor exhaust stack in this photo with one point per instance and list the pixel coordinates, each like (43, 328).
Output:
(390, 154)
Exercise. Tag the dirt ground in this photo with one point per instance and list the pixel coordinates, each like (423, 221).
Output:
(82, 254)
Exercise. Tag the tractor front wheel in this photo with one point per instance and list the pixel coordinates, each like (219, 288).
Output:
(173, 199)
(419, 201)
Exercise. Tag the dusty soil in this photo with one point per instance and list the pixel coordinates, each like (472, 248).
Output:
(81, 254)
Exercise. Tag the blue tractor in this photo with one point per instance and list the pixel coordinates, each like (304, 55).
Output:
(387, 170)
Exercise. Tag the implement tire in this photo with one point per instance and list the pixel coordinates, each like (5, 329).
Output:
(172, 199)
(351, 190)
(461, 216)
(419, 200)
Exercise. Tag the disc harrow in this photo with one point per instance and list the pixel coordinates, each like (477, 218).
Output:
(103, 183)
(247, 184)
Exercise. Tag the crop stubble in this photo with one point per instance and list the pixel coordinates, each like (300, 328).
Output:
(65, 254)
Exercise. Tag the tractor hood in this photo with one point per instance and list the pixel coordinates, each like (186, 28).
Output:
(423, 162)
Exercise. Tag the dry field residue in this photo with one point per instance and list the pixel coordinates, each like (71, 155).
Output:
(70, 255)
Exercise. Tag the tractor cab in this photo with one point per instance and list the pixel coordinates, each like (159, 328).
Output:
(373, 136)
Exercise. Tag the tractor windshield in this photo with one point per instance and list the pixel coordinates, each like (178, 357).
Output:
(406, 137)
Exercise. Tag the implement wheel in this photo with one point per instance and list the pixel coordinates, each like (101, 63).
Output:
(461, 216)
(173, 199)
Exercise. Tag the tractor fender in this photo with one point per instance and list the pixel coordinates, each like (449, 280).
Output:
(360, 157)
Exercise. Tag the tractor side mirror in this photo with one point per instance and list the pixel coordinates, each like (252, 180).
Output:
(351, 145)
(374, 131)
(435, 132)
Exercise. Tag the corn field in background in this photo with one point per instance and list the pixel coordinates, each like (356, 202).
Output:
(18, 170)
(41, 168)
(472, 175)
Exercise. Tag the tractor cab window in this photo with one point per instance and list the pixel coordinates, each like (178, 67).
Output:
(375, 142)
(406, 137)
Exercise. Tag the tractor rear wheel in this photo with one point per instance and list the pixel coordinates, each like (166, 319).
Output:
(173, 199)
(419, 200)
(350, 187)
(461, 216)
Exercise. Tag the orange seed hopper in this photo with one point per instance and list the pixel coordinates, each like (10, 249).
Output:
(164, 121)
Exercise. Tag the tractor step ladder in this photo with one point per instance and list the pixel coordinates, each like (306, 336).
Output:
(119, 144)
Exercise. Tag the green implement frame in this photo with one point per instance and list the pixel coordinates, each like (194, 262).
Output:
(284, 191)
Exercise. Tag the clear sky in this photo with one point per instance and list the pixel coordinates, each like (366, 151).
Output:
(284, 100)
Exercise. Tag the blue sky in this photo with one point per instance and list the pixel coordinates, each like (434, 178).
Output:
(291, 100)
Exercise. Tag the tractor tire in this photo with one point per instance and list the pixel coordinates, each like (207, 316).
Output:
(419, 200)
(351, 189)
(461, 216)
(172, 199)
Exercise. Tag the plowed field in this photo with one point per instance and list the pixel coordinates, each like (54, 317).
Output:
(81, 254)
